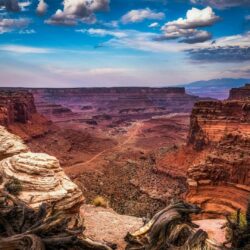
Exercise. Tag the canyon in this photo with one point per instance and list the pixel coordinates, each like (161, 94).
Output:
(138, 148)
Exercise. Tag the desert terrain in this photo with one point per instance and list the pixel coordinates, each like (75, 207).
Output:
(140, 150)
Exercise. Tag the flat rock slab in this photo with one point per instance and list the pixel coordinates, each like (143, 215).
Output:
(213, 228)
(105, 225)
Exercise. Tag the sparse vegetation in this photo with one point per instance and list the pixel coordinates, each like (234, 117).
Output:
(100, 201)
(13, 186)
(242, 219)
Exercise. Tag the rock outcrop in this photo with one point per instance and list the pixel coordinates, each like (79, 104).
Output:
(220, 182)
(16, 106)
(121, 103)
(240, 93)
(41, 178)
(18, 113)
(212, 120)
(10, 144)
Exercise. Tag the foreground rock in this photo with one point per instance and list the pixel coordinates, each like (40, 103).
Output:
(40, 177)
(10, 144)
(105, 225)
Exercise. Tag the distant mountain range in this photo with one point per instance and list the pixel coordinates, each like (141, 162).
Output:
(215, 88)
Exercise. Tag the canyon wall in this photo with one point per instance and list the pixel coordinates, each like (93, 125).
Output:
(240, 93)
(18, 113)
(220, 182)
(93, 105)
(16, 107)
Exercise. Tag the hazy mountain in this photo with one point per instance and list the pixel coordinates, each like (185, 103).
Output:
(215, 88)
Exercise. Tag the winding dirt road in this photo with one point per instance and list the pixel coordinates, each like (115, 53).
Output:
(130, 138)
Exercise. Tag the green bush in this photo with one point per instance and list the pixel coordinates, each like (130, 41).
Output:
(13, 186)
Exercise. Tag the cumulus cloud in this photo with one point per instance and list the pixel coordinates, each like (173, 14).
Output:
(195, 18)
(222, 4)
(103, 32)
(8, 25)
(78, 10)
(10, 5)
(186, 29)
(41, 7)
(135, 16)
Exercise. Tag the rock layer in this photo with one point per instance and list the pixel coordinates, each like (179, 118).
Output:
(240, 93)
(18, 113)
(10, 144)
(16, 106)
(220, 182)
(41, 178)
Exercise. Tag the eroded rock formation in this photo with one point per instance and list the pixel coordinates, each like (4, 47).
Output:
(220, 182)
(240, 93)
(16, 106)
(18, 113)
(121, 103)
(41, 178)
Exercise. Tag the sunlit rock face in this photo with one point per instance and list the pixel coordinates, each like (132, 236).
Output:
(221, 181)
(41, 178)
(10, 144)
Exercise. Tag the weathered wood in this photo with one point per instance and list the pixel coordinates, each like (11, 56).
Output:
(26, 229)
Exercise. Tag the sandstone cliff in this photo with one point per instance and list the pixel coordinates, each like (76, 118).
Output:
(18, 113)
(220, 182)
(240, 93)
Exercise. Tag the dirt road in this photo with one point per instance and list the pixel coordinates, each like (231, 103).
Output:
(130, 138)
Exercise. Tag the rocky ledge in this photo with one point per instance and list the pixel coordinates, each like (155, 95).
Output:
(220, 181)
(40, 177)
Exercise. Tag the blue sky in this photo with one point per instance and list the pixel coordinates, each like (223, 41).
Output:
(80, 43)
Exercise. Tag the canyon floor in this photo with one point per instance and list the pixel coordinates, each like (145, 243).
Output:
(120, 164)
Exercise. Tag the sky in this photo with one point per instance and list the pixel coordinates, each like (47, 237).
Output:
(94, 43)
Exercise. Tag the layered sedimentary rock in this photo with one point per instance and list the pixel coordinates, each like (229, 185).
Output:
(18, 113)
(16, 106)
(41, 178)
(10, 144)
(221, 181)
(121, 103)
(212, 120)
(240, 93)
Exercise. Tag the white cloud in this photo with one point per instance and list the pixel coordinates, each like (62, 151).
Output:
(153, 25)
(41, 7)
(195, 18)
(186, 29)
(78, 10)
(27, 32)
(8, 25)
(103, 32)
(24, 49)
(134, 16)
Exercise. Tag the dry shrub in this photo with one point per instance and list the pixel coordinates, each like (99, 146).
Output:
(100, 201)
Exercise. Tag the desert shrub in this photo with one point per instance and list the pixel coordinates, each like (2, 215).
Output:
(13, 186)
(100, 201)
(242, 221)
